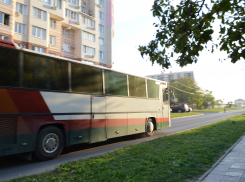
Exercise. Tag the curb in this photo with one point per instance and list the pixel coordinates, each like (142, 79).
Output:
(187, 116)
(220, 159)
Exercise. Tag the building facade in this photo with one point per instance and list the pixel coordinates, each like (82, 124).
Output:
(75, 29)
(239, 102)
(172, 75)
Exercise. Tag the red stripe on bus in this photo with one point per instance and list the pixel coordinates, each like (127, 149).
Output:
(116, 122)
(134, 121)
(29, 101)
(159, 120)
(6, 43)
(79, 124)
(98, 123)
(165, 120)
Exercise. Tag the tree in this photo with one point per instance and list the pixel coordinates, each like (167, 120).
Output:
(186, 90)
(219, 102)
(208, 99)
(186, 29)
(230, 103)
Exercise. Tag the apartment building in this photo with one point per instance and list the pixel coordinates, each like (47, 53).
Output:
(75, 29)
(239, 102)
(172, 75)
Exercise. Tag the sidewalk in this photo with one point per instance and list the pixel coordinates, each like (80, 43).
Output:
(230, 167)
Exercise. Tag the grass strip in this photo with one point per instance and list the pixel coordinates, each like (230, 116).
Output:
(219, 109)
(180, 157)
(174, 115)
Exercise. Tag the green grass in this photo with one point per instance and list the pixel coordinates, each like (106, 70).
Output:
(219, 109)
(180, 157)
(174, 115)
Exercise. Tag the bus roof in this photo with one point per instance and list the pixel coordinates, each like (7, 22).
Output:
(12, 45)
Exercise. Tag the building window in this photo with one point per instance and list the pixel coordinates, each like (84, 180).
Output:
(52, 23)
(57, 3)
(101, 28)
(66, 32)
(66, 47)
(46, 1)
(101, 55)
(4, 19)
(20, 8)
(101, 2)
(82, 9)
(21, 45)
(88, 50)
(101, 41)
(39, 32)
(37, 13)
(38, 49)
(20, 28)
(76, 2)
(89, 36)
(4, 37)
(6, 1)
(72, 15)
(52, 40)
(88, 22)
(101, 15)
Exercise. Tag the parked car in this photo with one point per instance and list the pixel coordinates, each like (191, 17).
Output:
(179, 107)
(190, 109)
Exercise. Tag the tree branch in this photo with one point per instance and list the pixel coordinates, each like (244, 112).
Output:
(180, 8)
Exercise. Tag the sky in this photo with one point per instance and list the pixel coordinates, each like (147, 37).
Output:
(134, 27)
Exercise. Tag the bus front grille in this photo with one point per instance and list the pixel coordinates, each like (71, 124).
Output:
(8, 130)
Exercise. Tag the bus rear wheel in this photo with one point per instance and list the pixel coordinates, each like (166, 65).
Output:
(150, 127)
(50, 143)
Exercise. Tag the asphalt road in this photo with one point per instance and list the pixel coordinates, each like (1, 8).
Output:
(13, 167)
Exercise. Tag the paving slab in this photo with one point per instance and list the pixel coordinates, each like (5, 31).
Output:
(230, 167)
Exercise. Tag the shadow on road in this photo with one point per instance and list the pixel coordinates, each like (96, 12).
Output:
(16, 160)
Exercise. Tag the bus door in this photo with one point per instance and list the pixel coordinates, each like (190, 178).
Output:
(98, 120)
(165, 107)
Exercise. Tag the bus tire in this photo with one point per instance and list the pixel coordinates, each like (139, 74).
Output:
(50, 143)
(149, 127)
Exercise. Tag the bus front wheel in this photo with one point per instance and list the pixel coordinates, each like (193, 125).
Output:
(50, 143)
(149, 127)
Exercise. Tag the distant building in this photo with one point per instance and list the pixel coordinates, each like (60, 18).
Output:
(239, 102)
(173, 75)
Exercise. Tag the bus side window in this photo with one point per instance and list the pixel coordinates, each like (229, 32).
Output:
(152, 89)
(86, 79)
(115, 83)
(45, 73)
(9, 67)
(137, 87)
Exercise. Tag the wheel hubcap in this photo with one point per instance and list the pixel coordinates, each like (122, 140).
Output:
(150, 127)
(50, 143)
